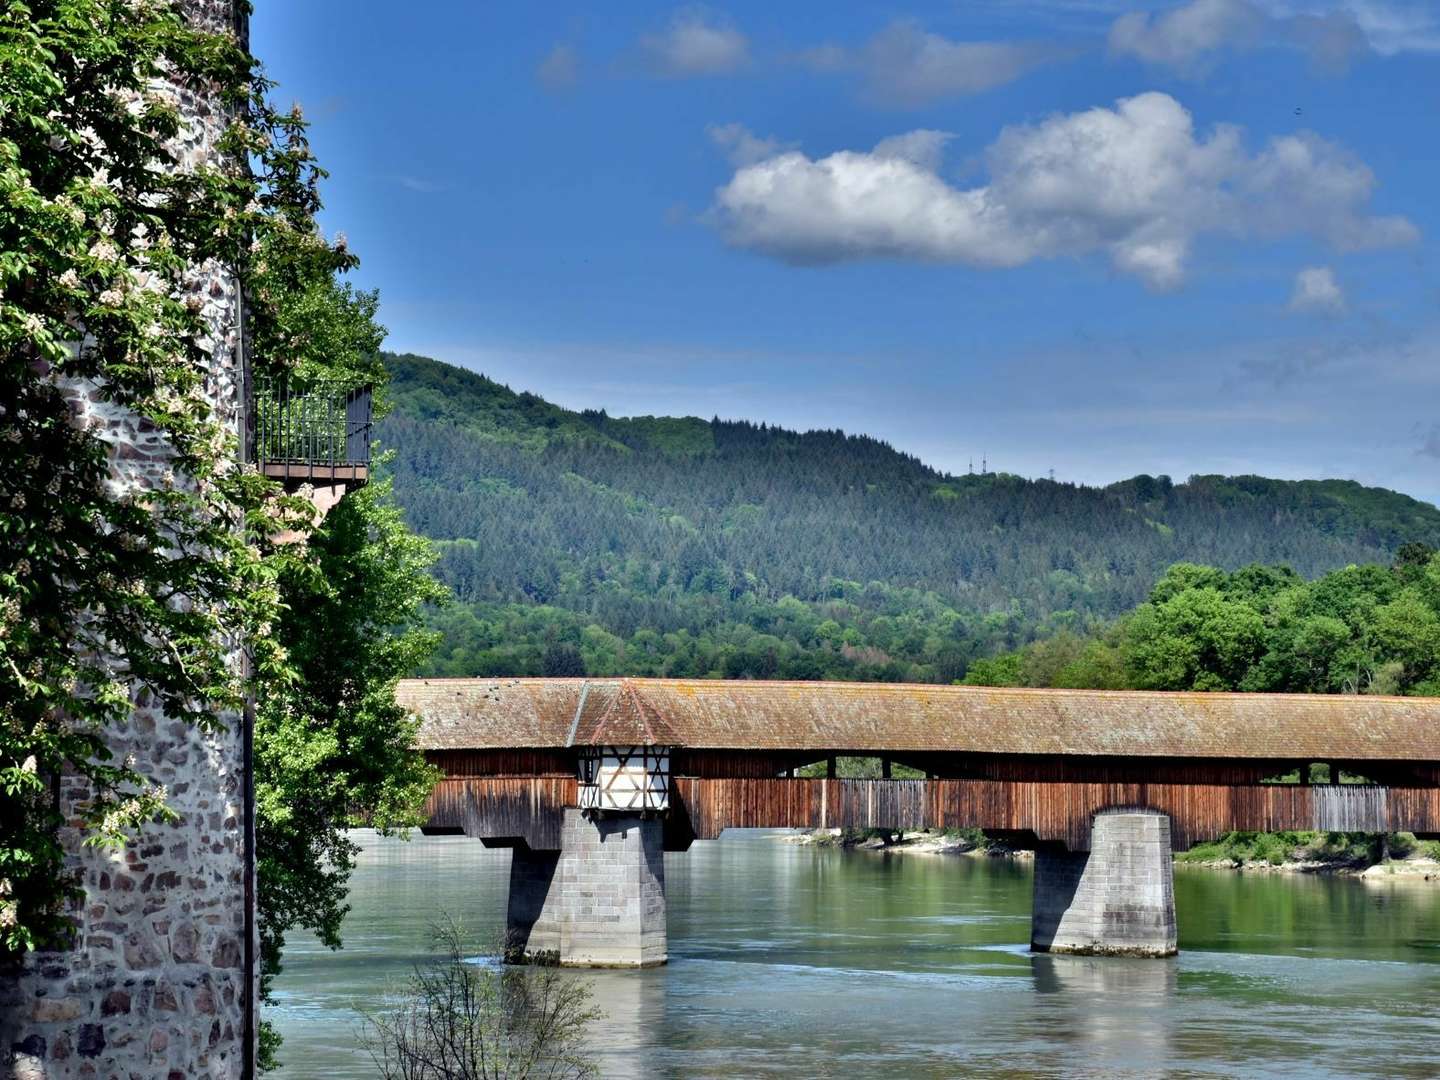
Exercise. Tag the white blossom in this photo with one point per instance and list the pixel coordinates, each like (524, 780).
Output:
(70, 279)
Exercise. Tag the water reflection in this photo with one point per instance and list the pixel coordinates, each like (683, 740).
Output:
(634, 1006)
(1115, 1011)
(790, 961)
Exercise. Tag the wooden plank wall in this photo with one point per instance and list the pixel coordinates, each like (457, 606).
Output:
(501, 808)
(1052, 811)
(519, 794)
(504, 808)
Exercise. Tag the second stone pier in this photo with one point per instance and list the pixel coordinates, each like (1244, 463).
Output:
(597, 902)
(1117, 899)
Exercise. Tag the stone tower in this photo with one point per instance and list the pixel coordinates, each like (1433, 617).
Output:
(161, 982)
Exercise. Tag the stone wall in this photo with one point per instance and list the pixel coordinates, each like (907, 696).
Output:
(157, 984)
(597, 902)
(1118, 899)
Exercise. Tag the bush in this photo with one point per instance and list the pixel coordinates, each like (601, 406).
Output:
(1403, 844)
(1271, 848)
(458, 1020)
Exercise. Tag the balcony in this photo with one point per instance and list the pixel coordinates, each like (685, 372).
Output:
(317, 433)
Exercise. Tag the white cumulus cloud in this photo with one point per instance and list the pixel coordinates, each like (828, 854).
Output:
(1317, 290)
(695, 43)
(1134, 182)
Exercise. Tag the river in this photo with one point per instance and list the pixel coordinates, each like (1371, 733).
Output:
(788, 960)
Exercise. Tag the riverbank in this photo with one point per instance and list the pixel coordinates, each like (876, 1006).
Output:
(1260, 853)
(1414, 868)
(1363, 855)
(1403, 869)
(924, 842)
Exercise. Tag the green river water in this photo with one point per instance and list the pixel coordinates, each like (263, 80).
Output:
(787, 960)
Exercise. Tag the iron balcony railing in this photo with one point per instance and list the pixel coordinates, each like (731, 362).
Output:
(318, 433)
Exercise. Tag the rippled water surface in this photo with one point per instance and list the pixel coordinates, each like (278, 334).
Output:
(791, 961)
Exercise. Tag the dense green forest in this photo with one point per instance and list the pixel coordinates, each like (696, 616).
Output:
(579, 542)
(1361, 629)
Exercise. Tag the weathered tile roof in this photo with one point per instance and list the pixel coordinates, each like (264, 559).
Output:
(876, 717)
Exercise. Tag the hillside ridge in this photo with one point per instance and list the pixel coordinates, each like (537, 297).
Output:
(678, 544)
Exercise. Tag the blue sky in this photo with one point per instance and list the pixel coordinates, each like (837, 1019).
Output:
(1103, 238)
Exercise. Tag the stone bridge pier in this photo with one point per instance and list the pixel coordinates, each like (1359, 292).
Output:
(1117, 899)
(599, 901)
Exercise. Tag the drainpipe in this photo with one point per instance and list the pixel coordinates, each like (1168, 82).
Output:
(251, 1034)
(251, 990)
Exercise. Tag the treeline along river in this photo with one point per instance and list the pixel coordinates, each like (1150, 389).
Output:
(788, 960)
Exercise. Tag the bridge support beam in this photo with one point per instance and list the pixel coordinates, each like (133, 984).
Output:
(1117, 899)
(597, 902)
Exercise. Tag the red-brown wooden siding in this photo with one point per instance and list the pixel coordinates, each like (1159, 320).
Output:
(530, 809)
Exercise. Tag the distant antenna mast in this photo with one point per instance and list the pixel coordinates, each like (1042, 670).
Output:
(972, 466)
(984, 466)
(1052, 476)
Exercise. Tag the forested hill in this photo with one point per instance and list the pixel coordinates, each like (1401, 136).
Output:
(691, 547)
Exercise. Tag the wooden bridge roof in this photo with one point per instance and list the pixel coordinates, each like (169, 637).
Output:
(874, 718)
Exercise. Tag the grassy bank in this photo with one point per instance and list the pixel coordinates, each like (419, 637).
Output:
(1318, 851)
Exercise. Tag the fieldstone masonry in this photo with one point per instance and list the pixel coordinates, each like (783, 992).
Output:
(1117, 899)
(157, 984)
(597, 902)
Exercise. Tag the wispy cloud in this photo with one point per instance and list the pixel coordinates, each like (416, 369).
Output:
(741, 147)
(1320, 27)
(695, 43)
(420, 184)
(1316, 290)
(904, 65)
(1430, 446)
(560, 70)
(1190, 37)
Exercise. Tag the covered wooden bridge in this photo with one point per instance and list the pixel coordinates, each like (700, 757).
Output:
(1040, 762)
(525, 760)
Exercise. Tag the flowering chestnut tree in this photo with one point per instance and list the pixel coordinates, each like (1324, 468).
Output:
(170, 585)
